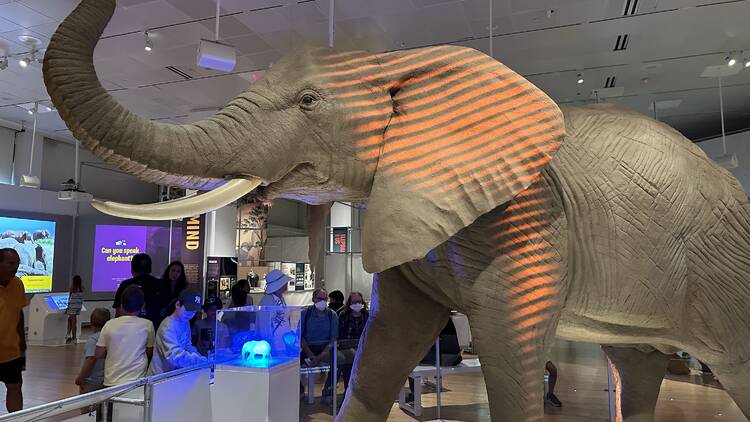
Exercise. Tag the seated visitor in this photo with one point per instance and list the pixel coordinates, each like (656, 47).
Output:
(174, 348)
(205, 330)
(352, 322)
(91, 376)
(336, 301)
(550, 398)
(126, 343)
(320, 327)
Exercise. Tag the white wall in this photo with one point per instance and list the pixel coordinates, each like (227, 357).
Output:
(737, 143)
(221, 232)
(6, 154)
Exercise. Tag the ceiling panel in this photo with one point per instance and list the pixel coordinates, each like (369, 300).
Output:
(550, 41)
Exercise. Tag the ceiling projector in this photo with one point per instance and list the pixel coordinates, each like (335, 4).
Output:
(216, 56)
(728, 161)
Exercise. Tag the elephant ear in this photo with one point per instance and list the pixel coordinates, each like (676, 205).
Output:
(467, 135)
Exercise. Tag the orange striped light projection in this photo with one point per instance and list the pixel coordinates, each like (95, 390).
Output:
(447, 120)
(532, 276)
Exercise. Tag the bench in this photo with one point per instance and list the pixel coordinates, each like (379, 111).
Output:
(467, 366)
(310, 373)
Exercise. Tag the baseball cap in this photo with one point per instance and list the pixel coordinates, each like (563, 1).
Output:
(191, 300)
(275, 280)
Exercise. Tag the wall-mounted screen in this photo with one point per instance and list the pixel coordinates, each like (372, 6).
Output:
(34, 240)
(115, 246)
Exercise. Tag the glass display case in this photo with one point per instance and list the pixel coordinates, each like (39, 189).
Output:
(258, 336)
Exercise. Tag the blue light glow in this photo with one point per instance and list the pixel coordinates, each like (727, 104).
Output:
(254, 351)
(290, 338)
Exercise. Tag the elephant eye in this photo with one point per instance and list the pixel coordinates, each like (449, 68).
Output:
(308, 100)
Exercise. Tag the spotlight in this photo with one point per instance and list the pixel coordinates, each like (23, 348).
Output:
(3, 63)
(746, 64)
(24, 62)
(149, 45)
(30, 111)
(579, 79)
(731, 60)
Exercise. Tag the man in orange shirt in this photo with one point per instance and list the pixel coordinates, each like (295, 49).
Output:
(12, 333)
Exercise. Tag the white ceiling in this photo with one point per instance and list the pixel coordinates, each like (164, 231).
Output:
(548, 41)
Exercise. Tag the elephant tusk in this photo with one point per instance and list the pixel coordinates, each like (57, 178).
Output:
(183, 207)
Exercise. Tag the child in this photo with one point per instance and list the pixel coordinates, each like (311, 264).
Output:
(75, 303)
(204, 330)
(91, 376)
(174, 348)
(126, 343)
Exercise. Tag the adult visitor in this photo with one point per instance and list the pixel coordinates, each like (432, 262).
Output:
(173, 348)
(450, 353)
(550, 398)
(240, 294)
(12, 333)
(277, 283)
(352, 320)
(156, 298)
(174, 279)
(277, 324)
(336, 301)
(320, 328)
(75, 304)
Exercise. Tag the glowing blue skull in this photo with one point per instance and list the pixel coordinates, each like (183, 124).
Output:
(253, 351)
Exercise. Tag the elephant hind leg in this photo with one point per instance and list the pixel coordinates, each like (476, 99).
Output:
(735, 378)
(638, 376)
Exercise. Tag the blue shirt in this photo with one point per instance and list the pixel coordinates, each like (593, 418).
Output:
(97, 373)
(317, 329)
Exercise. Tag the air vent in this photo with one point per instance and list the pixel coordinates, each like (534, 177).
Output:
(610, 83)
(178, 72)
(622, 43)
(631, 8)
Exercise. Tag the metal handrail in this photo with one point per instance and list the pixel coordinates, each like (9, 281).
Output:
(95, 397)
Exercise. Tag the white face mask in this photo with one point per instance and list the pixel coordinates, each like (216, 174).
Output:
(321, 305)
(356, 307)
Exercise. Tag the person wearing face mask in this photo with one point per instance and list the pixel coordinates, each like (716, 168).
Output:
(352, 320)
(173, 348)
(320, 327)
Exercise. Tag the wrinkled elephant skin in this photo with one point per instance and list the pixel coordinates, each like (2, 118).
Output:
(592, 223)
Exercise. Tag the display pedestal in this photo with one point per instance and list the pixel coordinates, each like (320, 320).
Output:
(257, 394)
(48, 322)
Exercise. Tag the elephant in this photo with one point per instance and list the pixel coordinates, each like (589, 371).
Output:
(20, 237)
(40, 234)
(587, 223)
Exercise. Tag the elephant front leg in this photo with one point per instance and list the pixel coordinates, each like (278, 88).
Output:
(638, 376)
(403, 323)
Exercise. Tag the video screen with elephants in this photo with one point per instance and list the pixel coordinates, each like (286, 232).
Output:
(34, 240)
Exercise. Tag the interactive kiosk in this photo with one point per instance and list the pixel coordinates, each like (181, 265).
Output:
(48, 322)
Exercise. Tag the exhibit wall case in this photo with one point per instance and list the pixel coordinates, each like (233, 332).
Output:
(258, 336)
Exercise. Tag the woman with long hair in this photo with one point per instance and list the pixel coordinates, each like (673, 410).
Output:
(352, 319)
(174, 279)
(75, 304)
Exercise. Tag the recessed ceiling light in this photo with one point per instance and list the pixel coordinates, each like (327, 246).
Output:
(24, 62)
(149, 45)
(579, 79)
(747, 63)
(731, 60)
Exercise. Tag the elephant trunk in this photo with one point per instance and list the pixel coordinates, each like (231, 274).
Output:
(193, 156)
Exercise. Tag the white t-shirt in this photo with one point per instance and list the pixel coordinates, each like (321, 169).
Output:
(126, 339)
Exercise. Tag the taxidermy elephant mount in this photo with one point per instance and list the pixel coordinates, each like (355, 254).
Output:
(594, 223)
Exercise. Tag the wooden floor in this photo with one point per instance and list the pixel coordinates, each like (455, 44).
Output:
(581, 387)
